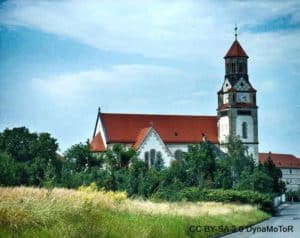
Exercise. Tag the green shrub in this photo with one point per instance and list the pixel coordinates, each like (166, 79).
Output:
(217, 195)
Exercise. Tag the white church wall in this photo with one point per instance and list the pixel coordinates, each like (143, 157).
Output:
(174, 147)
(223, 129)
(250, 130)
(253, 149)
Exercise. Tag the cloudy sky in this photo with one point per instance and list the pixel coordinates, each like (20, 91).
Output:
(60, 60)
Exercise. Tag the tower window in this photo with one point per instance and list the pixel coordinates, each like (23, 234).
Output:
(244, 130)
(232, 67)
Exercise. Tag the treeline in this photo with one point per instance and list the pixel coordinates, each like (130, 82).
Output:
(30, 159)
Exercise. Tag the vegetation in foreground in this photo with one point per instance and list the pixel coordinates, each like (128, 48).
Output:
(33, 212)
(30, 159)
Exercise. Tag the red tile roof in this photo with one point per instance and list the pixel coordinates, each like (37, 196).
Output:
(141, 137)
(126, 128)
(236, 50)
(97, 144)
(281, 160)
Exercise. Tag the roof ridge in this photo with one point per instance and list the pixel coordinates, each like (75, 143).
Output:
(148, 114)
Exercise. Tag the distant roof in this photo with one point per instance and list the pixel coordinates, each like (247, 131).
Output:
(97, 144)
(132, 128)
(236, 50)
(281, 160)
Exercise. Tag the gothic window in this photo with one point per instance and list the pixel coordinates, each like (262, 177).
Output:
(152, 156)
(244, 130)
(146, 156)
(178, 154)
(233, 98)
(233, 68)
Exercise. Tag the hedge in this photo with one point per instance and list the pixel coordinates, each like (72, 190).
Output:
(217, 195)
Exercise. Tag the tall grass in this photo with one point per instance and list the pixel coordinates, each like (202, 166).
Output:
(33, 212)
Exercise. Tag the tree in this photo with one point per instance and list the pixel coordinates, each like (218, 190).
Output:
(200, 162)
(31, 153)
(275, 173)
(136, 176)
(237, 154)
(223, 173)
(256, 180)
(19, 143)
(118, 157)
(81, 157)
(159, 162)
(8, 176)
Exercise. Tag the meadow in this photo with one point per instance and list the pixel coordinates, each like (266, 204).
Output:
(86, 212)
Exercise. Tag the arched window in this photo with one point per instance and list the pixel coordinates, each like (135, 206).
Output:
(146, 156)
(244, 130)
(178, 154)
(152, 156)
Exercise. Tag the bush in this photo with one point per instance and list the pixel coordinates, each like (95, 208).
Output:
(293, 196)
(216, 195)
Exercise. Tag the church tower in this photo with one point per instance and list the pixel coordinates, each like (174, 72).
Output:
(237, 109)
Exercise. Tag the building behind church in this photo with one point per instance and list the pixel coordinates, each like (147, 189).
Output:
(168, 136)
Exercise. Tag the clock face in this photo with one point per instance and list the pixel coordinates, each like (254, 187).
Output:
(243, 98)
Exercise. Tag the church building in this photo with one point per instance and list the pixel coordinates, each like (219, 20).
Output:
(168, 136)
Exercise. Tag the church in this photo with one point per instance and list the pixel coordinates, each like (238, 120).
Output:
(168, 136)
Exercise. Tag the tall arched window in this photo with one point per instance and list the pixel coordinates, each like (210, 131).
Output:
(152, 156)
(244, 130)
(146, 155)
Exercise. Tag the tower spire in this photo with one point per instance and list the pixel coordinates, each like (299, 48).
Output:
(235, 31)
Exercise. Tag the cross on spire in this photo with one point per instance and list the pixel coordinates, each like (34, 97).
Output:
(235, 31)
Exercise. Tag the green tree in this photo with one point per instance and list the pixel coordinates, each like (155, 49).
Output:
(136, 177)
(275, 173)
(81, 158)
(237, 154)
(8, 175)
(223, 173)
(31, 153)
(159, 162)
(201, 165)
(256, 180)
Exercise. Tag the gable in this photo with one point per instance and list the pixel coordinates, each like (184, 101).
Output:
(242, 85)
(152, 141)
(226, 85)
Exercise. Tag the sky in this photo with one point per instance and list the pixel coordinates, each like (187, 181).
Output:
(61, 60)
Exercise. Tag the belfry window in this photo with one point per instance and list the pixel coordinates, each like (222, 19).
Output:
(244, 130)
(233, 68)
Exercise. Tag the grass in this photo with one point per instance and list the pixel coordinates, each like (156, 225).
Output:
(33, 212)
